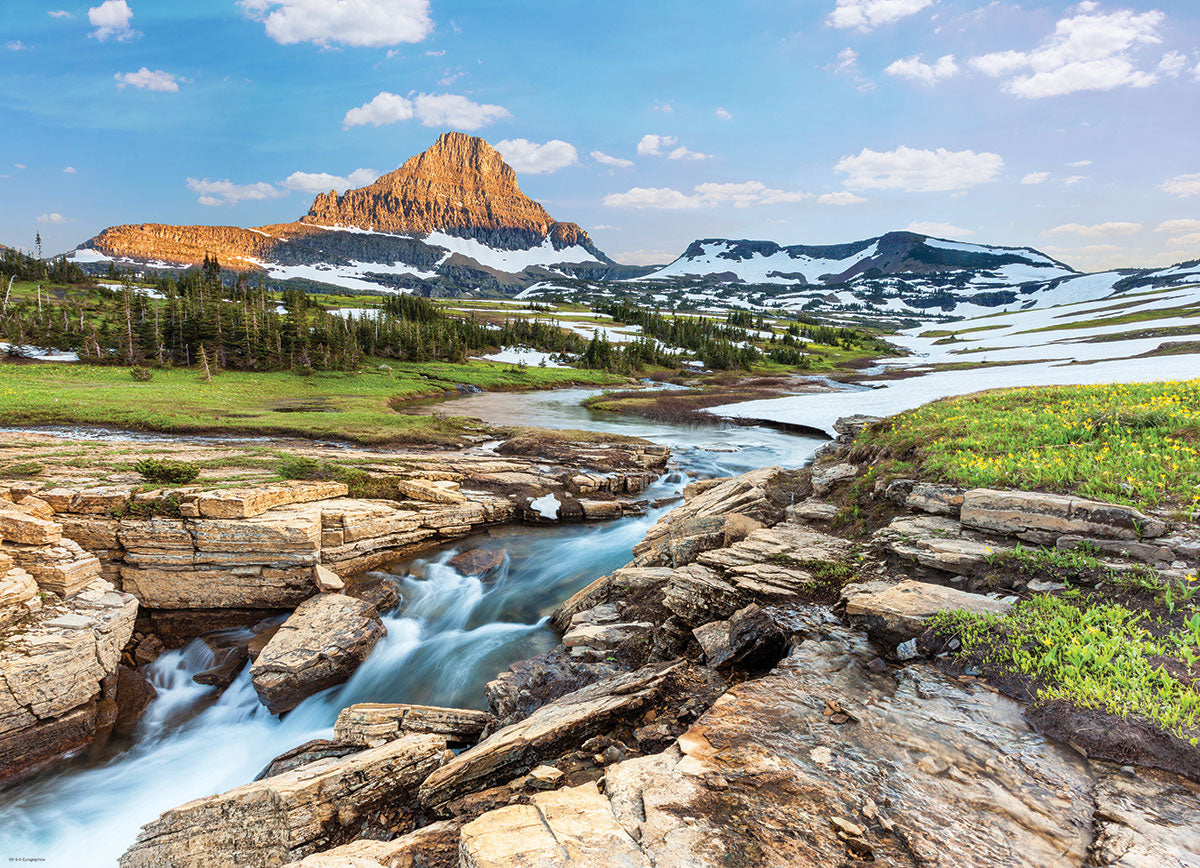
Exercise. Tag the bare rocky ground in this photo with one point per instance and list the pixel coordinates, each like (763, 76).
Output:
(757, 687)
(100, 572)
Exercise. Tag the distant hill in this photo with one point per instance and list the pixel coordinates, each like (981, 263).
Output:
(893, 254)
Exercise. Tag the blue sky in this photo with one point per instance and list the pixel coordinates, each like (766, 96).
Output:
(1071, 127)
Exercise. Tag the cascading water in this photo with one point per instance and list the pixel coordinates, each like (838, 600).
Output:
(450, 636)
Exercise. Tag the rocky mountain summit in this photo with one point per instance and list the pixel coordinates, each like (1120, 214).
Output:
(450, 218)
(460, 186)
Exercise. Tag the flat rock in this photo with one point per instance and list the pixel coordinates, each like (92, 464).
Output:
(249, 502)
(372, 723)
(320, 645)
(900, 612)
(21, 527)
(1146, 821)
(825, 477)
(286, 817)
(605, 637)
(1053, 515)
(566, 721)
(430, 492)
(935, 498)
(566, 828)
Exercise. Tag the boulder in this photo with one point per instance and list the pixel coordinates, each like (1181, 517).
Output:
(18, 595)
(553, 728)
(902, 611)
(483, 563)
(627, 581)
(51, 670)
(371, 723)
(714, 641)
(134, 693)
(303, 754)
(853, 425)
(825, 477)
(567, 828)
(604, 638)
(939, 543)
(824, 762)
(812, 510)
(320, 645)
(432, 846)
(1044, 517)
(286, 817)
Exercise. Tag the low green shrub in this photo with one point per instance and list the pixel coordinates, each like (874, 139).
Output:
(166, 471)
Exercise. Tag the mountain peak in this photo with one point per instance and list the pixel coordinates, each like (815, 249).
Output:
(460, 185)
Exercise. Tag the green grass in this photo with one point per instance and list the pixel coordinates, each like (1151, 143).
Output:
(1137, 444)
(364, 407)
(1095, 655)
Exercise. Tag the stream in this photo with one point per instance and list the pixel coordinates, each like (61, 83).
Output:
(451, 635)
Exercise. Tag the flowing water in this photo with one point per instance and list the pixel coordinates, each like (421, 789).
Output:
(450, 636)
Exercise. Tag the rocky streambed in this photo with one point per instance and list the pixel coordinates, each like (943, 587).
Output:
(756, 679)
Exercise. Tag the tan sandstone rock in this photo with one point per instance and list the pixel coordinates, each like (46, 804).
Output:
(289, 816)
(901, 611)
(1045, 517)
(318, 646)
(372, 723)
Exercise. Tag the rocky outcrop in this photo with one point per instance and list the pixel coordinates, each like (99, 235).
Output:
(284, 818)
(369, 724)
(320, 645)
(57, 664)
(462, 186)
(517, 748)
(914, 770)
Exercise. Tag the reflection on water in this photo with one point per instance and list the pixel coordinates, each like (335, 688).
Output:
(450, 636)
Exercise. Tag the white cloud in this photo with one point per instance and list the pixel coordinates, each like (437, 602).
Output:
(432, 110)
(1182, 185)
(385, 108)
(1073, 180)
(919, 171)
(112, 20)
(866, 14)
(441, 53)
(917, 69)
(70, 170)
(1186, 225)
(526, 156)
(607, 160)
(452, 110)
(1173, 63)
(682, 153)
(1191, 239)
(664, 107)
(845, 197)
(59, 13)
(722, 114)
(1085, 52)
(607, 227)
(1080, 164)
(372, 23)
(940, 230)
(20, 166)
(1036, 178)
(149, 79)
(847, 64)
(744, 194)
(323, 182)
(651, 197)
(52, 217)
(15, 45)
(652, 145)
(1097, 230)
(214, 193)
